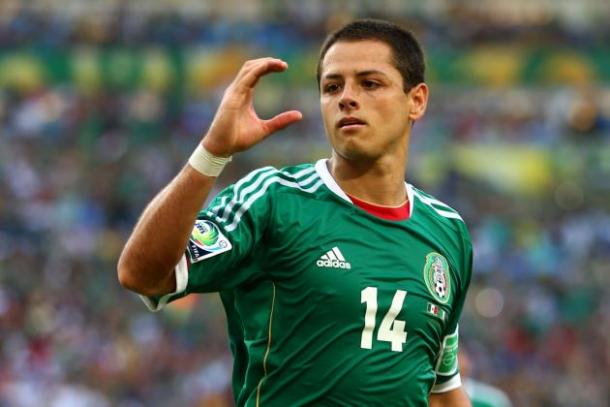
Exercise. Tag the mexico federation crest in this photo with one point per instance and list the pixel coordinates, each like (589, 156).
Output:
(206, 241)
(436, 276)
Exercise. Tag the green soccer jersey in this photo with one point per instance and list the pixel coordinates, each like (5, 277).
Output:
(328, 305)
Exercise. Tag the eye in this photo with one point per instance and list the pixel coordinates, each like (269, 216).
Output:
(369, 84)
(331, 87)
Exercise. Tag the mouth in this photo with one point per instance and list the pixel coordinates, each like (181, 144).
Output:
(350, 123)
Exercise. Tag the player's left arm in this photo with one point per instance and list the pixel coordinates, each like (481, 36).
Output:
(453, 398)
(448, 391)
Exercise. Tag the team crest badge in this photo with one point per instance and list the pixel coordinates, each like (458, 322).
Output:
(206, 241)
(436, 276)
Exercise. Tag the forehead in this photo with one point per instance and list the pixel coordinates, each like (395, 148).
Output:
(344, 57)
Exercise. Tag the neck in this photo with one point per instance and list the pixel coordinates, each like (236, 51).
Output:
(380, 182)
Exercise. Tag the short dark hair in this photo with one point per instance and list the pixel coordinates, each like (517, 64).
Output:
(407, 53)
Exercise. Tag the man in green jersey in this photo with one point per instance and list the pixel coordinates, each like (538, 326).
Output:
(342, 284)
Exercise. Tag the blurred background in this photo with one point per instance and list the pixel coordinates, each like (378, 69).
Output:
(101, 103)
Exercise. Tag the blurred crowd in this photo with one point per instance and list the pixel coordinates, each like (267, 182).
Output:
(136, 22)
(526, 164)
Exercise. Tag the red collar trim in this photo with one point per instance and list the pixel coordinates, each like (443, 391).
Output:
(385, 212)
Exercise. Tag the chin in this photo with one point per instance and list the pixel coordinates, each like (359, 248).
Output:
(356, 153)
(354, 147)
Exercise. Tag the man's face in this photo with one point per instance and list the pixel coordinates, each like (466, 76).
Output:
(365, 110)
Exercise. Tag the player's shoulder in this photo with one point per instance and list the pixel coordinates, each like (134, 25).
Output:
(257, 193)
(435, 209)
(442, 222)
(271, 180)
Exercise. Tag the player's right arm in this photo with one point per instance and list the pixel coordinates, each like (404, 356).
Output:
(158, 240)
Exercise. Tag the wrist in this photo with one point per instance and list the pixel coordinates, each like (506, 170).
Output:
(207, 163)
(214, 148)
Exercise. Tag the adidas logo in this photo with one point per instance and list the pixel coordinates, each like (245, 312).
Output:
(333, 259)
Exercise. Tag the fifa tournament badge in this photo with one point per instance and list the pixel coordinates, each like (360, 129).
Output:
(436, 276)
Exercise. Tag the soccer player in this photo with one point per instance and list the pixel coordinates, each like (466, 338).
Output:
(342, 284)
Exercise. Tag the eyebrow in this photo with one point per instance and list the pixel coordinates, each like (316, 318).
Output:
(358, 74)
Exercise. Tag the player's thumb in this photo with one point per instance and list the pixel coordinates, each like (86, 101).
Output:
(282, 120)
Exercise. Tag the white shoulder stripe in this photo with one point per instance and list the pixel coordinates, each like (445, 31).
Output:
(300, 185)
(433, 201)
(251, 176)
(238, 199)
(220, 205)
(237, 203)
(238, 185)
(430, 202)
(244, 194)
(300, 173)
(448, 214)
(240, 195)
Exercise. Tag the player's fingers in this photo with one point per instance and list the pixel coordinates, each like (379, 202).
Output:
(282, 120)
(253, 70)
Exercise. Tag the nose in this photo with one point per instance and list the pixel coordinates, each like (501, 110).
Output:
(348, 101)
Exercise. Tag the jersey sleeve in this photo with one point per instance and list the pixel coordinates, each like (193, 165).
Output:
(224, 239)
(446, 368)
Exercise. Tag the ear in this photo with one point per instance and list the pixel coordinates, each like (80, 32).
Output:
(418, 96)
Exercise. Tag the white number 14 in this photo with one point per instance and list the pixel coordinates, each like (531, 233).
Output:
(390, 330)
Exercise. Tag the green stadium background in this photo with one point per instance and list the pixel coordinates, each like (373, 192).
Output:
(101, 102)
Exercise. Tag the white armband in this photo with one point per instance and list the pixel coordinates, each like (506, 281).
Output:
(206, 163)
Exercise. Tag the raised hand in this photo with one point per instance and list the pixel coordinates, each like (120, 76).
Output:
(236, 126)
